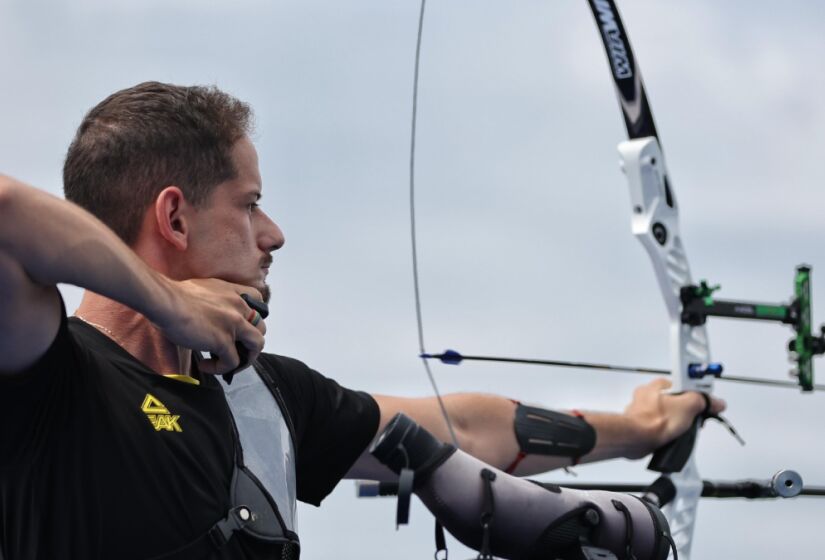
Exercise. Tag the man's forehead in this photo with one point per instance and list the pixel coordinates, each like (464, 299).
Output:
(244, 151)
(241, 187)
(245, 158)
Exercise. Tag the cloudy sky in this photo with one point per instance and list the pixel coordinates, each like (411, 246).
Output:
(525, 241)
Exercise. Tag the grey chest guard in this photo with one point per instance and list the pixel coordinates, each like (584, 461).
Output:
(264, 476)
(263, 521)
(262, 490)
(264, 443)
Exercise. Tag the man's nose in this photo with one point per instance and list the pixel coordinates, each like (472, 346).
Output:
(272, 237)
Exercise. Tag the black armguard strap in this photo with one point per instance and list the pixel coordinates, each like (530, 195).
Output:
(405, 445)
(545, 432)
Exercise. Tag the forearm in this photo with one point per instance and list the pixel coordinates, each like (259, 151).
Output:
(484, 425)
(55, 241)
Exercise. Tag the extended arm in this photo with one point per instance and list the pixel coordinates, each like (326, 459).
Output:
(484, 425)
(45, 241)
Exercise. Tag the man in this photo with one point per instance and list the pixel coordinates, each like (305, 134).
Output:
(116, 439)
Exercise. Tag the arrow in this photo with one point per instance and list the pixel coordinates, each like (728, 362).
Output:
(452, 357)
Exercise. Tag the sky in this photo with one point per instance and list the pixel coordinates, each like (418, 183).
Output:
(524, 217)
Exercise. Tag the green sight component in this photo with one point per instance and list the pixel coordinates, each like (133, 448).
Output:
(778, 312)
(803, 344)
(705, 291)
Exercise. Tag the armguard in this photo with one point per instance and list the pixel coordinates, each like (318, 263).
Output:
(509, 517)
(545, 432)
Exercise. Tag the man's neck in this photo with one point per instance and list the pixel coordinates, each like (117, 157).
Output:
(135, 333)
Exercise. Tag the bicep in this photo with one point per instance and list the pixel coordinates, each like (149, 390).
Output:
(29, 318)
(483, 424)
(425, 411)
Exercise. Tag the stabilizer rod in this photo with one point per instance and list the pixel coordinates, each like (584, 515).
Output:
(784, 484)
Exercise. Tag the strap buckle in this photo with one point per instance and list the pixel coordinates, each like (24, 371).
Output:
(236, 519)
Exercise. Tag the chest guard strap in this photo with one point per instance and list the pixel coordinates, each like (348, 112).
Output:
(252, 512)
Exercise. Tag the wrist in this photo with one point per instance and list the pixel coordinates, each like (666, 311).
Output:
(644, 434)
(160, 300)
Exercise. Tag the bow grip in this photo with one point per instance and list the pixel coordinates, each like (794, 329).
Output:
(673, 456)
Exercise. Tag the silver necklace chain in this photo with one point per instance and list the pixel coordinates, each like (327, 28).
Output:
(110, 333)
(100, 327)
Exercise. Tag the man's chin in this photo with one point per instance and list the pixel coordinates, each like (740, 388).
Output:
(262, 287)
(259, 285)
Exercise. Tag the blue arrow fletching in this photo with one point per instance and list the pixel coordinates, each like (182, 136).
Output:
(450, 357)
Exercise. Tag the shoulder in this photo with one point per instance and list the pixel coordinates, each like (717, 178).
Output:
(283, 365)
(291, 375)
(294, 376)
(314, 399)
(65, 352)
(333, 424)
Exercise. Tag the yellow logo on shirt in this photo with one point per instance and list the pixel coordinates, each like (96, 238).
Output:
(159, 415)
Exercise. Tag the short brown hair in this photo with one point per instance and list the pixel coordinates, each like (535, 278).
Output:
(142, 139)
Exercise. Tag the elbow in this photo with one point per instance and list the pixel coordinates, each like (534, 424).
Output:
(5, 188)
(467, 439)
(11, 193)
(8, 188)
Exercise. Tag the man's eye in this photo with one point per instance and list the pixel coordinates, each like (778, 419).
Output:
(253, 206)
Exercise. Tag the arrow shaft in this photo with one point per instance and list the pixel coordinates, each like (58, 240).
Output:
(611, 367)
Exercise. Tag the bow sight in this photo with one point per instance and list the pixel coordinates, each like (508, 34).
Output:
(698, 304)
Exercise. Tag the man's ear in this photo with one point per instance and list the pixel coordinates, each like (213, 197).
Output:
(172, 212)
